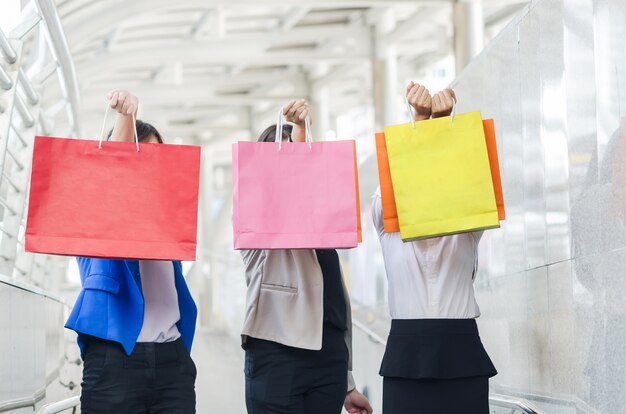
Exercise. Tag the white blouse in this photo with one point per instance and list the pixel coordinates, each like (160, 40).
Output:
(161, 311)
(432, 278)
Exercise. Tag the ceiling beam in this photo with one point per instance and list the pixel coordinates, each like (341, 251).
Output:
(221, 82)
(293, 18)
(121, 10)
(412, 24)
(227, 53)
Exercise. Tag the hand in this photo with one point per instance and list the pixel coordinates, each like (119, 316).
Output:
(123, 102)
(443, 102)
(357, 403)
(420, 99)
(296, 111)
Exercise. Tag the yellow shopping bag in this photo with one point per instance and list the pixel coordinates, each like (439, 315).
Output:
(441, 176)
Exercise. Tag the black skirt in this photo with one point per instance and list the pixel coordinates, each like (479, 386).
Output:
(437, 365)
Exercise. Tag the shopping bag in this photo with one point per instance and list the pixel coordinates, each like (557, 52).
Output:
(492, 150)
(294, 195)
(441, 176)
(123, 200)
(390, 214)
(388, 201)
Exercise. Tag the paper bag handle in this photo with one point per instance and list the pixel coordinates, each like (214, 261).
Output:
(106, 115)
(279, 130)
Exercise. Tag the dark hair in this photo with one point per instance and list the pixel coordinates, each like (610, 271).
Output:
(144, 130)
(269, 135)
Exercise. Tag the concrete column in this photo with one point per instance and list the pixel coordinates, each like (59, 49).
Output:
(469, 31)
(320, 103)
(385, 72)
(321, 113)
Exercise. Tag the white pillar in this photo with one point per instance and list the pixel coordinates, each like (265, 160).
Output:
(469, 31)
(320, 103)
(385, 72)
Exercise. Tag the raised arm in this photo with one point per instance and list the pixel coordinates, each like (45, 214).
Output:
(296, 112)
(126, 105)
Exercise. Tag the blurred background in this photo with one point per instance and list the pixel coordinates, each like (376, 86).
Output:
(552, 73)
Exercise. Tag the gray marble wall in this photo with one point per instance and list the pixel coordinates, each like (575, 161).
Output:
(552, 280)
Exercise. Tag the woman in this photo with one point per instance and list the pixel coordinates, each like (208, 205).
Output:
(434, 361)
(297, 329)
(135, 319)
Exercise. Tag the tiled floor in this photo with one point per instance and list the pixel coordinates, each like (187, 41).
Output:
(220, 381)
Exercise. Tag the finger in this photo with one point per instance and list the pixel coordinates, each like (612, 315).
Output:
(415, 91)
(287, 107)
(297, 111)
(447, 98)
(448, 102)
(428, 101)
(113, 100)
(409, 87)
(121, 100)
(299, 106)
(452, 93)
(110, 94)
(424, 95)
(410, 92)
(294, 109)
(302, 103)
(304, 114)
(437, 103)
(291, 114)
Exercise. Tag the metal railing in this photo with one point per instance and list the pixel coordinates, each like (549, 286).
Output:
(25, 72)
(34, 58)
(26, 402)
(60, 406)
(517, 405)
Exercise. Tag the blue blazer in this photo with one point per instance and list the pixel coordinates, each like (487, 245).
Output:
(110, 305)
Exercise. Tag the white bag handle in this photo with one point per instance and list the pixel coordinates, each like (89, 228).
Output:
(106, 115)
(279, 130)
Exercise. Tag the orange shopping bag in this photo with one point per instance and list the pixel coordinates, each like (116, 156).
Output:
(390, 214)
(358, 198)
(492, 151)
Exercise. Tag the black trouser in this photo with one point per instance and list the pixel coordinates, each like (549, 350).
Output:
(285, 380)
(156, 378)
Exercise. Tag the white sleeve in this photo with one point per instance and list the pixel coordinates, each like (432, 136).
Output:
(377, 214)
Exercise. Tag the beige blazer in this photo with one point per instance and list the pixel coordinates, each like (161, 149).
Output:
(285, 300)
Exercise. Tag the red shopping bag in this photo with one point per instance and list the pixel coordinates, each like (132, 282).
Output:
(113, 202)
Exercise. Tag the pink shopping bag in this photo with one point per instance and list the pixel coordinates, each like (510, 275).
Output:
(294, 195)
